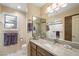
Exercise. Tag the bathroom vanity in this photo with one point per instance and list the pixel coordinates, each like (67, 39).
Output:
(42, 47)
(38, 51)
(66, 45)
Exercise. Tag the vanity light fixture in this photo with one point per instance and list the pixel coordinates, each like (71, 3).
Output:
(55, 7)
(51, 11)
(64, 5)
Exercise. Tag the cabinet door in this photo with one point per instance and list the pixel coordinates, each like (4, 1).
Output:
(32, 45)
(42, 52)
(37, 51)
(39, 54)
(32, 49)
(33, 52)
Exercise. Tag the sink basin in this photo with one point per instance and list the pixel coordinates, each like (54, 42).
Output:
(48, 45)
(67, 46)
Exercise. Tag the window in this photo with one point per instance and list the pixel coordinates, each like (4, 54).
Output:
(10, 22)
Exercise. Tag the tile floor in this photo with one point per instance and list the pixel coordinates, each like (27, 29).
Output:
(21, 52)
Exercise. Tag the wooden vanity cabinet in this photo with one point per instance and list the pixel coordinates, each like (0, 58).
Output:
(38, 51)
(42, 52)
(33, 49)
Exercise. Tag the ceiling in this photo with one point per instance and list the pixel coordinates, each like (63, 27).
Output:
(24, 6)
(39, 4)
(15, 5)
(70, 6)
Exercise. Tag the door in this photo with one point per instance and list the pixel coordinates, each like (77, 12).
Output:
(68, 28)
(75, 28)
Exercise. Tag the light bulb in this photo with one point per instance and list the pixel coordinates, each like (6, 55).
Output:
(64, 5)
(57, 8)
(51, 11)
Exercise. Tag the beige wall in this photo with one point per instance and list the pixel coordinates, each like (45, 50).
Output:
(43, 11)
(32, 11)
(21, 29)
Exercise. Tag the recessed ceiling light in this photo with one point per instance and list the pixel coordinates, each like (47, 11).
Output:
(18, 7)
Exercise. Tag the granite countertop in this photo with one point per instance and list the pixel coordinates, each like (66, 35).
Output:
(56, 49)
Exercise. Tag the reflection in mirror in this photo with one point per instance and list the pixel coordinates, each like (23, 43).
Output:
(63, 23)
(75, 28)
(55, 29)
(39, 27)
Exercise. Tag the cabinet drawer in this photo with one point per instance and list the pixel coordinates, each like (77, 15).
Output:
(33, 45)
(43, 52)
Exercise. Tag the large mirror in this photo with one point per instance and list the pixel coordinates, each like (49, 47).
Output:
(39, 27)
(55, 29)
(63, 23)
